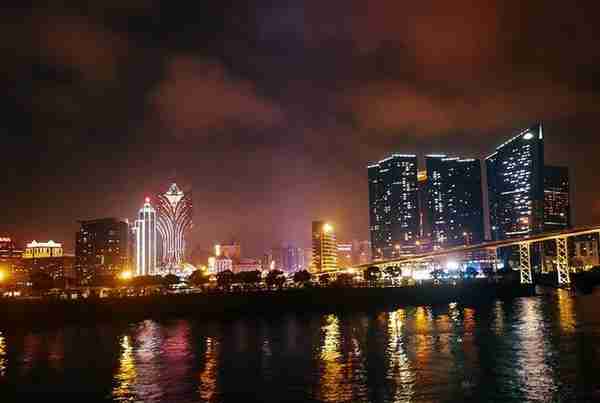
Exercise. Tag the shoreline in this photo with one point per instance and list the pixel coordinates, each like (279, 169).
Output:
(213, 305)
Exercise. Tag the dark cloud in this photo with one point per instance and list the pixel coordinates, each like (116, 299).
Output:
(269, 110)
(200, 95)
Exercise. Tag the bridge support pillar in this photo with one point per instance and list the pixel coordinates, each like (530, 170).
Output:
(562, 257)
(525, 263)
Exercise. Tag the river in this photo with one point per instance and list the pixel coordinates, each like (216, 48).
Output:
(536, 349)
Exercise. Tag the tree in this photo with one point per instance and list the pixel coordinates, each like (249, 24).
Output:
(393, 272)
(198, 278)
(225, 279)
(324, 278)
(169, 280)
(372, 274)
(302, 277)
(344, 280)
(251, 277)
(275, 278)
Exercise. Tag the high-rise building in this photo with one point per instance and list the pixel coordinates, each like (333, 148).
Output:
(231, 250)
(557, 209)
(361, 252)
(287, 258)
(174, 213)
(145, 240)
(44, 257)
(324, 256)
(393, 206)
(453, 201)
(101, 247)
(515, 174)
(344, 254)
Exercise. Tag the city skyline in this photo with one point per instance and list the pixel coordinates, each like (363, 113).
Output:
(111, 111)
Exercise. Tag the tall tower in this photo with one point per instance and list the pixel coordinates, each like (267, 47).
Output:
(145, 240)
(394, 206)
(515, 174)
(174, 210)
(454, 201)
(324, 247)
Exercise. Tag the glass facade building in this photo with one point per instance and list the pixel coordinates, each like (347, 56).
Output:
(393, 206)
(101, 247)
(557, 206)
(453, 201)
(515, 174)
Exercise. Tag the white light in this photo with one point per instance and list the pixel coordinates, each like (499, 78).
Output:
(528, 136)
(452, 265)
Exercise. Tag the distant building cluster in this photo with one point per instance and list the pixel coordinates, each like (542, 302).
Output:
(413, 211)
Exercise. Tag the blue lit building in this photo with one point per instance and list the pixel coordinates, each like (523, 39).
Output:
(453, 201)
(515, 174)
(393, 206)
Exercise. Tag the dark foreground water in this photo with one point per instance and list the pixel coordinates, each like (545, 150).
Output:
(543, 349)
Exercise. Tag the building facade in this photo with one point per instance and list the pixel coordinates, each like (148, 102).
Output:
(324, 247)
(46, 258)
(393, 206)
(557, 201)
(11, 260)
(515, 174)
(101, 248)
(145, 241)
(453, 202)
(174, 214)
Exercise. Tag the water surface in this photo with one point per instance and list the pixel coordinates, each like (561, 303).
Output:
(537, 349)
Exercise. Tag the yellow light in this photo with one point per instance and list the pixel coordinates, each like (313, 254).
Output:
(217, 250)
(397, 247)
(2, 276)
(327, 227)
(126, 275)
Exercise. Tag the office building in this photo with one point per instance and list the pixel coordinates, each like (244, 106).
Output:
(361, 252)
(44, 257)
(453, 202)
(324, 247)
(231, 250)
(145, 240)
(221, 263)
(101, 248)
(344, 254)
(174, 218)
(393, 206)
(557, 207)
(247, 265)
(515, 174)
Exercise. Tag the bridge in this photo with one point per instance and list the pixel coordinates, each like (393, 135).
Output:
(524, 244)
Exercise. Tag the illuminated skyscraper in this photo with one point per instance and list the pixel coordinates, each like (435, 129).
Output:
(101, 247)
(557, 208)
(324, 246)
(515, 174)
(453, 201)
(393, 206)
(174, 212)
(145, 240)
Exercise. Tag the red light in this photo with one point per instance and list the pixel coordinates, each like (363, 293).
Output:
(147, 200)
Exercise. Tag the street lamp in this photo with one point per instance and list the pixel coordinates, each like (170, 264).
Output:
(126, 275)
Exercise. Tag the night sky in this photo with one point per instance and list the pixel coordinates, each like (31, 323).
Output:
(270, 112)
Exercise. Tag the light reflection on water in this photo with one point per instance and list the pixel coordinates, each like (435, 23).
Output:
(530, 349)
(3, 360)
